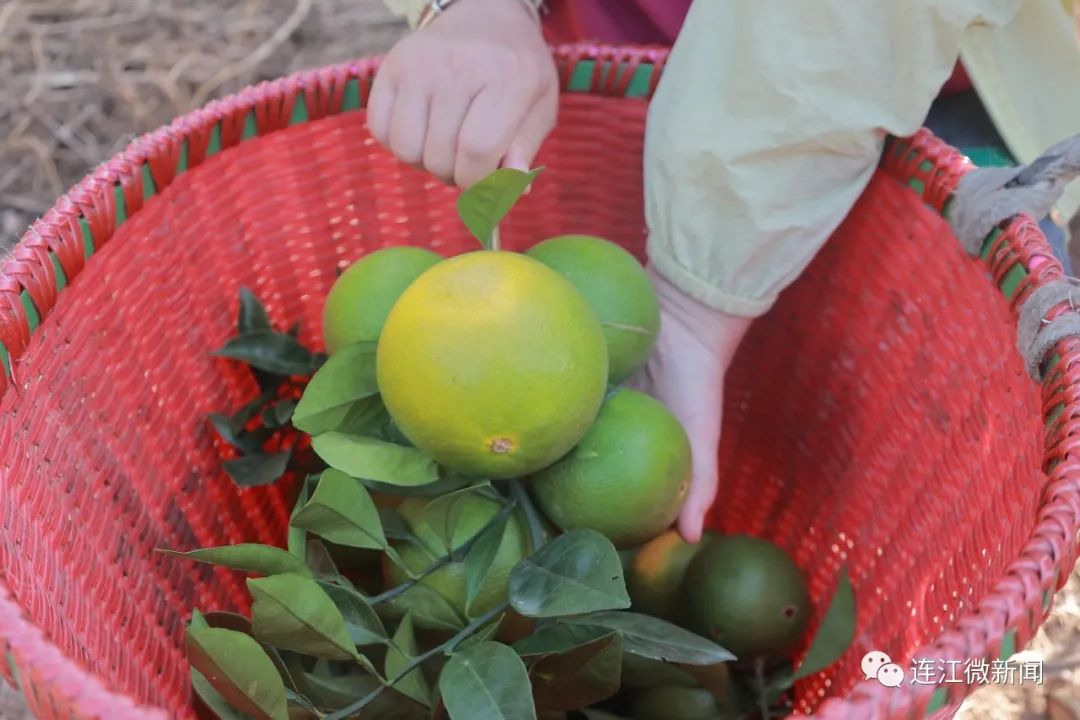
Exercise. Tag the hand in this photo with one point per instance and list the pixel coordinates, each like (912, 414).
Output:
(686, 372)
(475, 88)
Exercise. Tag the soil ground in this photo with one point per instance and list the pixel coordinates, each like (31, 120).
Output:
(79, 79)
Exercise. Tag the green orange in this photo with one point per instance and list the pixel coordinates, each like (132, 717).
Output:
(748, 595)
(628, 476)
(361, 297)
(492, 364)
(617, 288)
(657, 571)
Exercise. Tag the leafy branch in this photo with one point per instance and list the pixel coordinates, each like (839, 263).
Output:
(446, 647)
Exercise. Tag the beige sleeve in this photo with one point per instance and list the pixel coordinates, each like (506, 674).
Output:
(409, 10)
(768, 123)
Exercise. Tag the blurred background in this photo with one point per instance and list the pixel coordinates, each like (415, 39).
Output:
(80, 79)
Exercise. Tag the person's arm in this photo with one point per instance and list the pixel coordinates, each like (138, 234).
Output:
(474, 89)
(765, 129)
(769, 122)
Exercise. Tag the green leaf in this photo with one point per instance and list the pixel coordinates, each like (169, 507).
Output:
(584, 676)
(239, 670)
(294, 613)
(334, 692)
(483, 205)
(657, 639)
(342, 511)
(321, 562)
(537, 533)
(247, 557)
(347, 377)
(487, 682)
(482, 635)
(429, 609)
(575, 573)
(442, 486)
(259, 469)
(361, 620)
(235, 435)
(364, 457)
(298, 539)
(253, 315)
(557, 639)
(480, 557)
(213, 700)
(271, 351)
(398, 657)
(836, 632)
(442, 513)
(279, 414)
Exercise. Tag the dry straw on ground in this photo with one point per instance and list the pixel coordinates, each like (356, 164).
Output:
(79, 79)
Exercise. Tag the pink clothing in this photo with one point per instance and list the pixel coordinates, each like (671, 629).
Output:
(636, 22)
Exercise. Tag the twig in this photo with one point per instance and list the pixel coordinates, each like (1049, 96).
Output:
(532, 515)
(447, 646)
(453, 556)
(759, 676)
(256, 56)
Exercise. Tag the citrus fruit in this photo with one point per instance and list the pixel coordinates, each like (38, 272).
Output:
(492, 364)
(748, 595)
(670, 702)
(657, 571)
(628, 476)
(361, 297)
(617, 288)
(461, 518)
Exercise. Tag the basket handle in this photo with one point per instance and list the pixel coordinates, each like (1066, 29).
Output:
(986, 197)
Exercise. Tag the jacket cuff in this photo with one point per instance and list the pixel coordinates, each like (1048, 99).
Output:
(701, 290)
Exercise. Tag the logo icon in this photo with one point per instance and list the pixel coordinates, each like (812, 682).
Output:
(891, 675)
(872, 663)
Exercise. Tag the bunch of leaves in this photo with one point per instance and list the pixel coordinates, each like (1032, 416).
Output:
(258, 443)
(326, 640)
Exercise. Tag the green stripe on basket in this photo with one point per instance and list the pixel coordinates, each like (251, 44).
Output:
(121, 204)
(1012, 280)
(5, 362)
(250, 128)
(181, 164)
(938, 700)
(214, 146)
(87, 237)
(299, 110)
(33, 319)
(61, 276)
(1048, 596)
(351, 101)
(581, 80)
(148, 188)
(14, 671)
(1008, 645)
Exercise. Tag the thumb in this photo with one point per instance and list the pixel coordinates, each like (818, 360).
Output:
(703, 430)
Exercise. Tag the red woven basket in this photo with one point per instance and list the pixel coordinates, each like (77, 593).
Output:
(879, 417)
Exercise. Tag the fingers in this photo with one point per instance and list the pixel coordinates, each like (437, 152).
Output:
(490, 124)
(538, 122)
(703, 483)
(409, 123)
(381, 106)
(448, 110)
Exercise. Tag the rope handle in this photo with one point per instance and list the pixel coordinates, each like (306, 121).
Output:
(986, 197)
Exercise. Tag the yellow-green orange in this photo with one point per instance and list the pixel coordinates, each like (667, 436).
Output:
(657, 571)
(462, 518)
(748, 595)
(669, 702)
(640, 672)
(617, 288)
(628, 476)
(492, 364)
(361, 297)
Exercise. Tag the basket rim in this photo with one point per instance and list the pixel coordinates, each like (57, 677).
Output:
(57, 246)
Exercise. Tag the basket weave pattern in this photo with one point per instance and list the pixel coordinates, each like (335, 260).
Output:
(878, 417)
